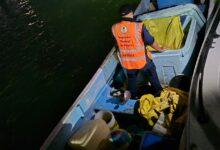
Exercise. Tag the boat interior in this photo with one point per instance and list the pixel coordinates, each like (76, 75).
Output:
(174, 68)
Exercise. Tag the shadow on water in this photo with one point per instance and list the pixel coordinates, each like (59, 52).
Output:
(45, 49)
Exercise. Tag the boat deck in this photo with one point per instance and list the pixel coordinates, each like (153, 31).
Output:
(107, 102)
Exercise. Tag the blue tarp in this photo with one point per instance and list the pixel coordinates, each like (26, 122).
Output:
(169, 3)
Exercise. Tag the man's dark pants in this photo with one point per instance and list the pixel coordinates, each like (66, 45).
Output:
(148, 70)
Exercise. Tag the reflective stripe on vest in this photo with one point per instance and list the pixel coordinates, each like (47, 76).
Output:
(133, 59)
(131, 45)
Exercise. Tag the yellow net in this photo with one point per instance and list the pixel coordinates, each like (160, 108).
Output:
(151, 107)
(167, 32)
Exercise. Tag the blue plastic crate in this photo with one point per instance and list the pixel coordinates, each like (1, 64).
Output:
(174, 62)
(152, 141)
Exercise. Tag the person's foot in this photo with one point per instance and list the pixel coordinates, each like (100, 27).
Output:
(127, 95)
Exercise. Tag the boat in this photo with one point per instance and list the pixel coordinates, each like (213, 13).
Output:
(97, 96)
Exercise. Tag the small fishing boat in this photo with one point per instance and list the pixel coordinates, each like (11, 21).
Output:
(97, 96)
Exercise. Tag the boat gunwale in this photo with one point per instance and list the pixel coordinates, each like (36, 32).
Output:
(57, 128)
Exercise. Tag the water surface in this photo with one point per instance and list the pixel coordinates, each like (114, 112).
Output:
(49, 49)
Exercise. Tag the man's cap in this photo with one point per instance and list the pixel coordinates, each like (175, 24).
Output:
(125, 9)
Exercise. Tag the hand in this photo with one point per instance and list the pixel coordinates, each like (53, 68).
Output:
(163, 48)
(157, 47)
(160, 49)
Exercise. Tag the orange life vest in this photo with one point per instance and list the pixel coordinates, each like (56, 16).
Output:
(131, 45)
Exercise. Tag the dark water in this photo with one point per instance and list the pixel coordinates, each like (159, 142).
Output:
(49, 49)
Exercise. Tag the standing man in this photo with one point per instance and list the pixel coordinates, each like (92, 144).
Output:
(131, 38)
